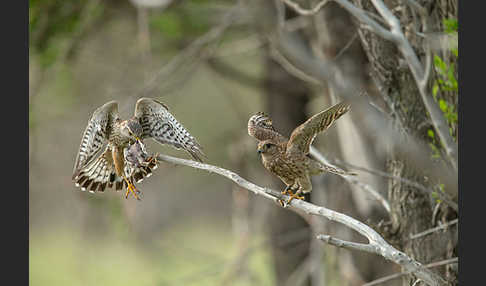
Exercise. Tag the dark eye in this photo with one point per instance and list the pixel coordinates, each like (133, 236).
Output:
(268, 145)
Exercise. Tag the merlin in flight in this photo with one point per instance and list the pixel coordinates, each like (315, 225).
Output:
(289, 159)
(112, 152)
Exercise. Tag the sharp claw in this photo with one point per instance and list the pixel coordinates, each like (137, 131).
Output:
(283, 203)
(132, 189)
(287, 190)
(290, 192)
(295, 196)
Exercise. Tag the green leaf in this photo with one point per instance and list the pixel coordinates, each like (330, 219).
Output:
(451, 25)
(430, 133)
(435, 88)
(455, 52)
(440, 64)
(443, 105)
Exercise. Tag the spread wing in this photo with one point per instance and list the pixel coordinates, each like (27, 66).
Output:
(95, 135)
(302, 136)
(260, 127)
(99, 174)
(160, 125)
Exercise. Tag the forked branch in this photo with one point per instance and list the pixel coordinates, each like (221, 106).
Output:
(420, 73)
(376, 243)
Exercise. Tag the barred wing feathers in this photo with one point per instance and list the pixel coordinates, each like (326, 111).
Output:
(100, 174)
(160, 125)
(95, 135)
(303, 136)
(261, 128)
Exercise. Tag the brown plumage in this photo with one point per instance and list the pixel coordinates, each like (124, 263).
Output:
(124, 160)
(288, 158)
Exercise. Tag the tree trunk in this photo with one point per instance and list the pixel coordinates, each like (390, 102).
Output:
(412, 212)
(336, 38)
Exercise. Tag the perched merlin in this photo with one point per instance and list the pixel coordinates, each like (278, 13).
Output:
(112, 153)
(289, 159)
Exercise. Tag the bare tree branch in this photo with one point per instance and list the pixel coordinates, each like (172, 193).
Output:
(195, 48)
(417, 185)
(301, 59)
(306, 12)
(425, 29)
(353, 180)
(432, 230)
(398, 275)
(420, 74)
(381, 246)
(290, 68)
(346, 47)
(366, 247)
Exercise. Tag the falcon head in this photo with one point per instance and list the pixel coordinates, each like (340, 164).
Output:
(132, 129)
(267, 148)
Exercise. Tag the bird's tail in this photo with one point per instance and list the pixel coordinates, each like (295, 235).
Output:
(145, 170)
(138, 163)
(98, 175)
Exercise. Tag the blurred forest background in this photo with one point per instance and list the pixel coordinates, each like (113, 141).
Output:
(216, 63)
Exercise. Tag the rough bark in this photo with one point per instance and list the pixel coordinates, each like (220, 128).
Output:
(336, 38)
(412, 211)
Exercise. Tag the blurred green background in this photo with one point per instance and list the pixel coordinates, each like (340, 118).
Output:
(85, 53)
(192, 227)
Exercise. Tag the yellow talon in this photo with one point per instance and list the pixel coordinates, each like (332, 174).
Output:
(131, 189)
(288, 191)
(295, 196)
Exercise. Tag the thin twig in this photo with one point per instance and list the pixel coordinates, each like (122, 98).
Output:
(346, 47)
(189, 52)
(432, 230)
(425, 29)
(289, 67)
(369, 23)
(436, 115)
(371, 191)
(417, 185)
(381, 247)
(353, 180)
(398, 275)
(305, 12)
(296, 52)
(416, 282)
